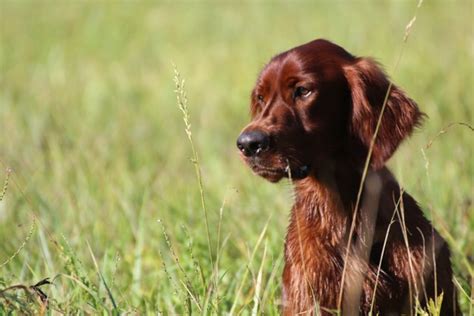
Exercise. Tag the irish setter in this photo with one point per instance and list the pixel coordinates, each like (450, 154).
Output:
(315, 109)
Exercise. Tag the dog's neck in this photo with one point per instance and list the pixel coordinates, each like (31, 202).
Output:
(324, 202)
(330, 180)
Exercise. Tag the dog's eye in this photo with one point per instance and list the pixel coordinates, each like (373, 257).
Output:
(260, 98)
(301, 92)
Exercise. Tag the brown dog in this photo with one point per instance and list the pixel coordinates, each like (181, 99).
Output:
(315, 110)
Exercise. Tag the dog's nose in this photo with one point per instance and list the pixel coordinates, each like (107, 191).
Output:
(251, 143)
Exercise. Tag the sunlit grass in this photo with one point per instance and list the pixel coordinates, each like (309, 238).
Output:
(99, 153)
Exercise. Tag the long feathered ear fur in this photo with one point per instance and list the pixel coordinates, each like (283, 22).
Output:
(369, 84)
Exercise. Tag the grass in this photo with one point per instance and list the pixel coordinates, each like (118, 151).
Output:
(94, 150)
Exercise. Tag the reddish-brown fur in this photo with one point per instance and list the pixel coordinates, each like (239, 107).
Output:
(315, 110)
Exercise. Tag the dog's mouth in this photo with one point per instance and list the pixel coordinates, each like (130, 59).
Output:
(300, 172)
(275, 174)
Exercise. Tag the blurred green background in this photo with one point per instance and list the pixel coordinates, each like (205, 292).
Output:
(91, 130)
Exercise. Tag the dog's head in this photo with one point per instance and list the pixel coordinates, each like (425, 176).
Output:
(317, 103)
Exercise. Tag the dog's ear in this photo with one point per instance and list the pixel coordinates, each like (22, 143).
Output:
(368, 86)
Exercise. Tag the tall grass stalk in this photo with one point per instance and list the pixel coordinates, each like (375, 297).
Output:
(74, 266)
(171, 280)
(369, 156)
(401, 219)
(275, 269)
(258, 283)
(102, 279)
(247, 269)
(22, 246)
(5, 184)
(182, 100)
(218, 255)
(382, 253)
(187, 282)
(197, 265)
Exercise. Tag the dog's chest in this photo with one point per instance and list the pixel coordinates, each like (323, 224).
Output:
(314, 249)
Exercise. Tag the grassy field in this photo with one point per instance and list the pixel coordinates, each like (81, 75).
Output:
(100, 191)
